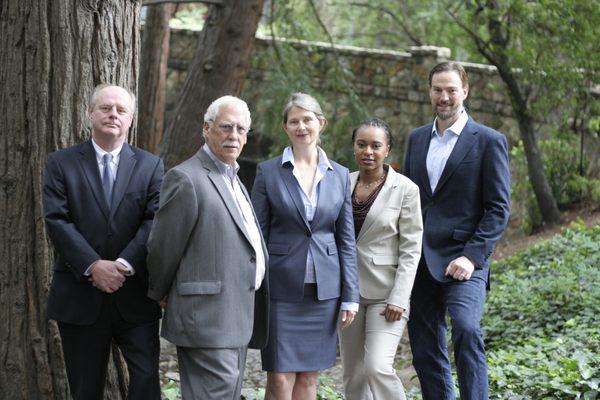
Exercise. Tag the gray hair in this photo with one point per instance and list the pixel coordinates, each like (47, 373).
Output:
(100, 87)
(213, 109)
(305, 102)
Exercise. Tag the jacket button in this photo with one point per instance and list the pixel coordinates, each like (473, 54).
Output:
(308, 234)
(253, 260)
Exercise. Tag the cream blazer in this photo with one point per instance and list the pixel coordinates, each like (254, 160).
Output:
(388, 247)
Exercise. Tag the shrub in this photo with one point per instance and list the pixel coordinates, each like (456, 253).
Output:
(541, 324)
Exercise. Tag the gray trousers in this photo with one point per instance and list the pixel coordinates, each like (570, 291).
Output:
(211, 373)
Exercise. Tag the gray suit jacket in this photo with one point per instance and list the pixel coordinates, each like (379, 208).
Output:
(200, 257)
(388, 246)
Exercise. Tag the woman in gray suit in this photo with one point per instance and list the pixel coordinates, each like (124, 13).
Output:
(388, 228)
(302, 202)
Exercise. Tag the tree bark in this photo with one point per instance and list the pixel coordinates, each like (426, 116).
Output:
(219, 67)
(53, 54)
(153, 74)
(535, 166)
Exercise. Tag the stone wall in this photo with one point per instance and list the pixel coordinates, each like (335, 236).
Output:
(392, 85)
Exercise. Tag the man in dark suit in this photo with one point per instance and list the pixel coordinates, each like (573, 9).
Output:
(99, 201)
(461, 168)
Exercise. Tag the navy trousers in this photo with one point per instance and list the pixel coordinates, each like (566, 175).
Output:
(464, 302)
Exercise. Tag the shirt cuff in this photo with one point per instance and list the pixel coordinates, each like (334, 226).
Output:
(127, 265)
(349, 306)
(87, 271)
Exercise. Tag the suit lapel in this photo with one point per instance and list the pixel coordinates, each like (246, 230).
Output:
(127, 162)
(465, 141)
(230, 203)
(294, 191)
(327, 191)
(422, 142)
(89, 164)
(379, 204)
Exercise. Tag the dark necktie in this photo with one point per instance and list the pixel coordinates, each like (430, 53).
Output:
(107, 178)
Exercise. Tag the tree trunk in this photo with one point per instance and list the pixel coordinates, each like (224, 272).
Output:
(153, 74)
(535, 166)
(219, 67)
(53, 54)
(537, 175)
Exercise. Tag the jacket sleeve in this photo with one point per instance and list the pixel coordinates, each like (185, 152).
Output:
(347, 245)
(69, 243)
(410, 232)
(173, 224)
(135, 252)
(260, 202)
(496, 202)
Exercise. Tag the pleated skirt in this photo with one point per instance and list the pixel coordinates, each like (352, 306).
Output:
(302, 335)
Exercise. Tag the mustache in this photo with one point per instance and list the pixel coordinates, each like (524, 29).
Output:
(231, 143)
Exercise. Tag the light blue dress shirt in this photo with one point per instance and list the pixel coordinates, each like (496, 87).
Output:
(441, 147)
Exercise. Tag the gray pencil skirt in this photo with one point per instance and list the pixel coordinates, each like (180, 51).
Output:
(302, 335)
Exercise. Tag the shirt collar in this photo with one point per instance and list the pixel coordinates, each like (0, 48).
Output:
(100, 152)
(456, 127)
(324, 164)
(223, 167)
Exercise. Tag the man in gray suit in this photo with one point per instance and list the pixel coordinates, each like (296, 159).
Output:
(206, 260)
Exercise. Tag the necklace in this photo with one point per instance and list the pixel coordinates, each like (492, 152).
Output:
(368, 185)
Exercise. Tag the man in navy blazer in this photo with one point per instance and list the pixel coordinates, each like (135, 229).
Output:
(461, 168)
(99, 200)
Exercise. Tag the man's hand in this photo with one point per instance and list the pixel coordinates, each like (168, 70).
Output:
(460, 268)
(347, 318)
(392, 313)
(107, 276)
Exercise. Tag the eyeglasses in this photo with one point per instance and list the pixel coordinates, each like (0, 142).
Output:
(227, 129)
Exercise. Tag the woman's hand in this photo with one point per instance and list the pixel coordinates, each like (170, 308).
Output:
(392, 313)
(347, 318)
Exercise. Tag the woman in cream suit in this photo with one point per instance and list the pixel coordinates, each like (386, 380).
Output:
(388, 229)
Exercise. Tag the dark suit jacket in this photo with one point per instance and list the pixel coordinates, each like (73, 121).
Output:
(83, 229)
(289, 235)
(469, 209)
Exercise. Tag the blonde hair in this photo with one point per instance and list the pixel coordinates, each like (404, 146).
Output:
(305, 102)
(100, 87)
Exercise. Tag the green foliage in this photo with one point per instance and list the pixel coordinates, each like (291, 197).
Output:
(296, 72)
(560, 155)
(171, 391)
(542, 321)
(326, 389)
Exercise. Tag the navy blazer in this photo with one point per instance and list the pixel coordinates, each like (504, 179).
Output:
(469, 209)
(84, 229)
(330, 236)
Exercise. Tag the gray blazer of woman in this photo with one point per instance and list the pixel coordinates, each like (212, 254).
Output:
(388, 247)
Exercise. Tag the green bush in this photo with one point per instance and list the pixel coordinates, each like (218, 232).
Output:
(560, 156)
(542, 324)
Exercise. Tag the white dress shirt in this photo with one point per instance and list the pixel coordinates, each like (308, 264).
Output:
(441, 147)
(229, 175)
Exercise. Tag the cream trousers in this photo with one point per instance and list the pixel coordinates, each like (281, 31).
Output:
(368, 347)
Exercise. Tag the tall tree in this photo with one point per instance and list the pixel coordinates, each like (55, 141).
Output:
(153, 75)
(53, 54)
(218, 67)
(543, 51)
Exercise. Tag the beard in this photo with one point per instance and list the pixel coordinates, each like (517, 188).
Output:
(444, 115)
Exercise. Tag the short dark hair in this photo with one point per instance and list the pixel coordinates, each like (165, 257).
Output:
(377, 123)
(450, 66)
